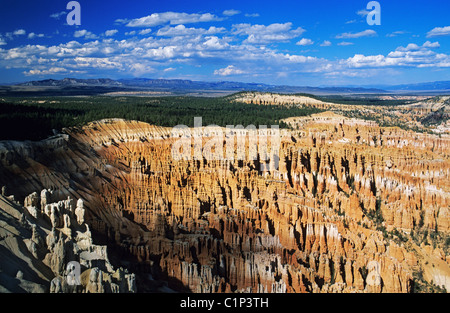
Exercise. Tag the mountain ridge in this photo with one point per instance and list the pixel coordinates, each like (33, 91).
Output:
(104, 85)
(184, 84)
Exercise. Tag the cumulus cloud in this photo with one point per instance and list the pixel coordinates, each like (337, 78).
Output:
(111, 32)
(305, 42)
(252, 15)
(215, 43)
(412, 55)
(137, 55)
(84, 33)
(161, 53)
(360, 60)
(19, 32)
(262, 34)
(429, 44)
(231, 12)
(181, 30)
(416, 47)
(439, 31)
(409, 47)
(141, 68)
(175, 44)
(145, 31)
(52, 70)
(173, 18)
(98, 62)
(229, 70)
(33, 35)
(153, 52)
(325, 43)
(365, 33)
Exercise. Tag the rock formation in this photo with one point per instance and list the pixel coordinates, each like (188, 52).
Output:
(41, 247)
(339, 214)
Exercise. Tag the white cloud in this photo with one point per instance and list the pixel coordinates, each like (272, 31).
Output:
(412, 55)
(58, 15)
(261, 34)
(305, 42)
(409, 47)
(145, 31)
(396, 33)
(362, 12)
(246, 46)
(33, 35)
(149, 52)
(298, 58)
(181, 30)
(360, 60)
(214, 42)
(345, 43)
(121, 21)
(252, 15)
(231, 12)
(414, 47)
(365, 33)
(173, 18)
(439, 31)
(161, 53)
(52, 70)
(108, 50)
(84, 33)
(229, 70)
(429, 44)
(141, 68)
(97, 62)
(19, 32)
(111, 32)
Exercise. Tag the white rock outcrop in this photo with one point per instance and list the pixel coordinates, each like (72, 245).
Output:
(59, 244)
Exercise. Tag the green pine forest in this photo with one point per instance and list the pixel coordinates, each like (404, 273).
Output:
(36, 118)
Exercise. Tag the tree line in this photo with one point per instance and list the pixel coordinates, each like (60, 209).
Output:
(35, 118)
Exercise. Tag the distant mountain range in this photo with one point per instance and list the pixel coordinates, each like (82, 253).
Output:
(102, 85)
(189, 85)
(431, 86)
(72, 82)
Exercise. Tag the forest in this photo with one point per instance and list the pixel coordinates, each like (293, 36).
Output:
(35, 118)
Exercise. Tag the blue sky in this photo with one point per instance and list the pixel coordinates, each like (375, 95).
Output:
(314, 43)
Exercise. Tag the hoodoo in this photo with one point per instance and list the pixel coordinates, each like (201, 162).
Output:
(346, 210)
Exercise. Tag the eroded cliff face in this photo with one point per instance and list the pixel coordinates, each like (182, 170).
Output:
(46, 246)
(339, 214)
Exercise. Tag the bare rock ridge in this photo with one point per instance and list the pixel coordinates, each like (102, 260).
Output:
(278, 99)
(40, 242)
(342, 213)
(420, 114)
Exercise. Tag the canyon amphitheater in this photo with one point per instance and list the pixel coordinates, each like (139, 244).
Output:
(348, 206)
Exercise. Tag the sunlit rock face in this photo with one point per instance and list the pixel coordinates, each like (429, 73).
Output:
(320, 221)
